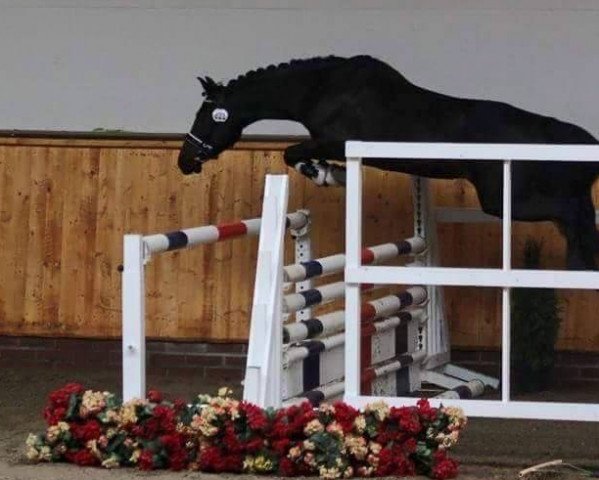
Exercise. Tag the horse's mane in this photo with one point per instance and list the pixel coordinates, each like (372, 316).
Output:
(295, 65)
(259, 74)
(213, 89)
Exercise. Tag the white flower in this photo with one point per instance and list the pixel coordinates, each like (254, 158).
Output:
(360, 423)
(313, 426)
(111, 462)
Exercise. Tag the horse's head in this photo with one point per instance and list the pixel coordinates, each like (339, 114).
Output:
(217, 126)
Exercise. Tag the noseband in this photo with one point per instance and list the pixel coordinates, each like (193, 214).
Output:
(199, 143)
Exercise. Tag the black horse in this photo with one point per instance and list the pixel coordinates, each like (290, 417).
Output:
(362, 98)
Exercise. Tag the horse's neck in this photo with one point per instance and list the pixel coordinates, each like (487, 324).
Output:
(297, 97)
(280, 99)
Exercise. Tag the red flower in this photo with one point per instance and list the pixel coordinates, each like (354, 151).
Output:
(178, 459)
(90, 430)
(279, 429)
(165, 419)
(212, 460)
(290, 411)
(446, 468)
(209, 457)
(392, 461)
(172, 441)
(54, 415)
(308, 413)
(386, 433)
(151, 428)
(290, 421)
(425, 410)
(179, 405)
(230, 440)
(146, 460)
(232, 463)
(256, 417)
(254, 445)
(385, 462)
(154, 396)
(82, 458)
(408, 419)
(287, 468)
(281, 447)
(409, 446)
(345, 416)
(62, 396)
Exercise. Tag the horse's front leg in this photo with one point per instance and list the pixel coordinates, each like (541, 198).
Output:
(309, 158)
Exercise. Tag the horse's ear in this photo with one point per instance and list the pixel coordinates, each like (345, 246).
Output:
(204, 82)
(211, 88)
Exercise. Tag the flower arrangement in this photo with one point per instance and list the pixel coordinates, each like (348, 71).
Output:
(221, 434)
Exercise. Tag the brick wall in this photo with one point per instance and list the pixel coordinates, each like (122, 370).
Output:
(204, 360)
(570, 368)
(227, 361)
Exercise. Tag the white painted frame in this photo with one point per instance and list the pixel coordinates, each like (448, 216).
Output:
(262, 362)
(262, 384)
(504, 278)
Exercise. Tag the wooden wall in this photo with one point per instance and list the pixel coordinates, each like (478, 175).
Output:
(65, 205)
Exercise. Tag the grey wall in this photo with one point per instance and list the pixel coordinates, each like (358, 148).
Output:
(85, 64)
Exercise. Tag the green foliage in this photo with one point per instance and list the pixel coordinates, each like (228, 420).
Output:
(535, 325)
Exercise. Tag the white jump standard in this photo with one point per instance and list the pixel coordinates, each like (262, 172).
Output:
(138, 250)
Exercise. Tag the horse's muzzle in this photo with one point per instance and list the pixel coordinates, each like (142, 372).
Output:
(190, 164)
(193, 156)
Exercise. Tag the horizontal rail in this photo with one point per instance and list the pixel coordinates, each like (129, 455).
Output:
(385, 306)
(381, 307)
(316, 296)
(475, 277)
(334, 322)
(471, 389)
(473, 151)
(318, 395)
(337, 387)
(332, 264)
(189, 237)
(393, 365)
(315, 346)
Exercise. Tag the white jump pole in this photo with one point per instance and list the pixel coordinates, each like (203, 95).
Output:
(353, 249)
(505, 291)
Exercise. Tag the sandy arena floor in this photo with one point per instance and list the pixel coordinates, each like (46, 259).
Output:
(489, 449)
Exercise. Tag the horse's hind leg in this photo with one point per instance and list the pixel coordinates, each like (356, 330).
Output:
(578, 226)
(575, 217)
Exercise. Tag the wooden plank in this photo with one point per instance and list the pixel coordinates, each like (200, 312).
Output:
(108, 250)
(34, 273)
(74, 242)
(16, 201)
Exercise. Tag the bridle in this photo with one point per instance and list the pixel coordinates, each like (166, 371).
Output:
(198, 142)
